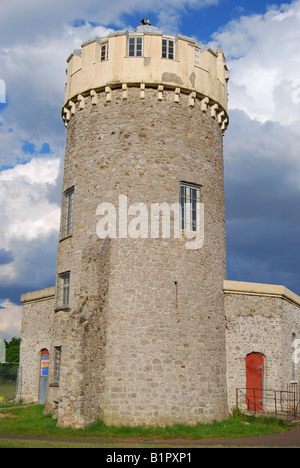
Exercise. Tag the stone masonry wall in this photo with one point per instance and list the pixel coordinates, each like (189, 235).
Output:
(260, 324)
(290, 331)
(80, 331)
(152, 347)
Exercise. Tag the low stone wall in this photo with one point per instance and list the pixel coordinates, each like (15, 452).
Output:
(38, 307)
(260, 319)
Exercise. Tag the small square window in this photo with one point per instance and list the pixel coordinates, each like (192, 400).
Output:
(63, 290)
(135, 47)
(168, 49)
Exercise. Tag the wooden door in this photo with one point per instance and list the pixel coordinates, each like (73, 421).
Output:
(255, 371)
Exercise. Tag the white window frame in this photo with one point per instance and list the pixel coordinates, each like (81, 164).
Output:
(197, 56)
(168, 48)
(63, 290)
(66, 229)
(104, 49)
(190, 203)
(135, 46)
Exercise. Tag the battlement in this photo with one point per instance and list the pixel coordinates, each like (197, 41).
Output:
(147, 58)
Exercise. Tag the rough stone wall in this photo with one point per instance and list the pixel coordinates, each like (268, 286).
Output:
(291, 326)
(155, 310)
(260, 324)
(36, 329)
(80, 331)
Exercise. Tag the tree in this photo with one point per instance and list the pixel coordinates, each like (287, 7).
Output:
(13, 350)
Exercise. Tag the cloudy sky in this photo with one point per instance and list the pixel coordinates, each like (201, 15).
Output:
(260, 40)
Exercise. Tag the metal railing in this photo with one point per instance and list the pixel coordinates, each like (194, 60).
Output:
(9, 380)
(281, 403)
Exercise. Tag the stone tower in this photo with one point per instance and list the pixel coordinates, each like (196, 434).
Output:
(138, 333)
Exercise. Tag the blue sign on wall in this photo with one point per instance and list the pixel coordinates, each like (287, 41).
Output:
(45, 368)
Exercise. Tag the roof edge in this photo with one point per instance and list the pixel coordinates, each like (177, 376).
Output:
(40, 295)
(261, 289)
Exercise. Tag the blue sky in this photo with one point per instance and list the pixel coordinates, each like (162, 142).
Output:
(206, 21)
(261, 147)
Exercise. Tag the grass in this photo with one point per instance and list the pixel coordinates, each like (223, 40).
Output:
(30, 421)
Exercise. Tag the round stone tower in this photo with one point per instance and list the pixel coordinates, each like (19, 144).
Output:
(139, 325)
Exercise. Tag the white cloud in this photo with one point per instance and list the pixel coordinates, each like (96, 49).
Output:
(35, 78)
(261, 146)
(264, 64)
(37, 171)
(11, 147)
(10, 320)
(48, 17)
(26, 213)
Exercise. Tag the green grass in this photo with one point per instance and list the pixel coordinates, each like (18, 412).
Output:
(30, 421)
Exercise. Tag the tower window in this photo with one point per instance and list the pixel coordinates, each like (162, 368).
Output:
(226, 73)
(104, 52)
(66, 229)
(168, 49)
(190, 203)
(135, 47)
(63, 290)
(197, 56)
(57, 360)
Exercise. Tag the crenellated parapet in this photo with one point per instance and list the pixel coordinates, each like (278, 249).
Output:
(146, 58)
(205, 103)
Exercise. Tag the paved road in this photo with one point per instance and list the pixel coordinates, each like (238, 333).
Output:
(289, 439)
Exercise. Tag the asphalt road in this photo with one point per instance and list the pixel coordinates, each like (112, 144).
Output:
(289, 439)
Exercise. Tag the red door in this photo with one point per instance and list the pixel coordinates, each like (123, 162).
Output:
(255, 370)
